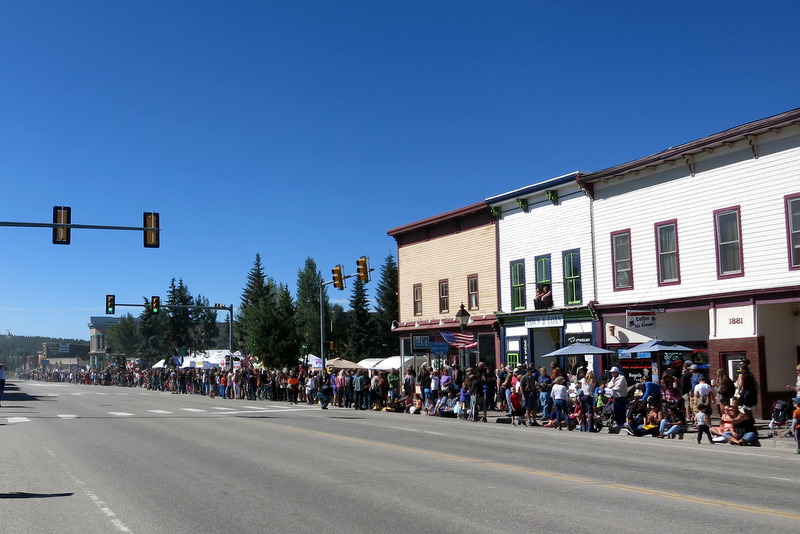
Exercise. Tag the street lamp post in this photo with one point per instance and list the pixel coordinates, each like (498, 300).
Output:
(462, 316)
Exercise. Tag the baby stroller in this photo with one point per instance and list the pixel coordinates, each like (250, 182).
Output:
(780, 415)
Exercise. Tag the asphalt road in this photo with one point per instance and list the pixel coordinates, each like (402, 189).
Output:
(87, 459)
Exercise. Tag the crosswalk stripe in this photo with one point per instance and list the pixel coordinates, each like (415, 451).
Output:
(192, 410)
(160, 411)
(67, 416)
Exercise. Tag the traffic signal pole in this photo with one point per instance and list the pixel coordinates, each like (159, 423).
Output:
(62, 226)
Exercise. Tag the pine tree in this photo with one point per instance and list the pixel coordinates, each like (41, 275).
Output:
(152, 328)
(307, 308)
(256, 312)
(388, 308)
(180, 322)
(284, 345)
(361, 339)
(205, 327)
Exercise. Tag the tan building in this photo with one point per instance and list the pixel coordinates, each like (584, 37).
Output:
(444, 262)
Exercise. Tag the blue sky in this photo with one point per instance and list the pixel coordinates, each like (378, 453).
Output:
(308, 128)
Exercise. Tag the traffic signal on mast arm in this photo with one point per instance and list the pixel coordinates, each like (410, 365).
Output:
(61, 215)
(338, 277)
(363, 268)
(152, 237)
(155, 304)
(111, 305)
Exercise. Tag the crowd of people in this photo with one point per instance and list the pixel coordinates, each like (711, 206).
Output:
(666, 408)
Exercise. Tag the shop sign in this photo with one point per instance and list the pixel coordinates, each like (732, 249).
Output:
(640, 318)
(580, 337)
(644, 355)
(422, 343)
(623, 353)
(544, 321)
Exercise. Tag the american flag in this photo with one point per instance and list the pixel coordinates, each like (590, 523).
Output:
(460, 340)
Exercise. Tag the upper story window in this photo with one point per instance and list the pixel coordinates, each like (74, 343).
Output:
(444, 296)
(518, 285)
(621, 256)
(544, 296)
(472, 292)
(417, 299)
(572, 277)
(667, 250)
(793, 229)
(727, 230)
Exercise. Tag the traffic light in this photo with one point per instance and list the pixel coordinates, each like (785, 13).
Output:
(152, 232)
(338, 277)
(61, 215)
(330, 345)
(111, 304)
(155, 304)
(363, 268)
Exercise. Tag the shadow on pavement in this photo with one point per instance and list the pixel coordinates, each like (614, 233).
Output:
(13, 394)
(26, 495)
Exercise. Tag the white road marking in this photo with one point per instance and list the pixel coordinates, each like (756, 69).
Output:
(67, 416)
(220, 408)
(18, 420)
(102, 506)
(120, 414)
(160, 411)
(192, 410)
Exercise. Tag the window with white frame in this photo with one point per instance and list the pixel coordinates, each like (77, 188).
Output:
(444, 296)
(621, 257)
(729, 242)
(793, 229)
(572, 277)
(518, 285)
(472, 292)
(667, 252)
(417, 299)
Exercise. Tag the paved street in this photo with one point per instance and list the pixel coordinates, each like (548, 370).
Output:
(105, 459)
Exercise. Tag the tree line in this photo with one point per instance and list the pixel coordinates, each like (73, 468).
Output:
(274, 327)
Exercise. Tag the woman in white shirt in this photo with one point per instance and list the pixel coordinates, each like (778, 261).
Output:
(559, 395)
(587, 384)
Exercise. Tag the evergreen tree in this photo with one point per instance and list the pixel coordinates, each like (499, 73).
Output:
(180, 322)
(387, 309)
(124, 338)
(255, 317)
(361, 338)
(307, 308)
(152, 328)
(284, 344)
(205, 327)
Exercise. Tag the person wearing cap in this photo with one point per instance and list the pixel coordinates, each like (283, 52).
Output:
(619, 393)
(796, 423)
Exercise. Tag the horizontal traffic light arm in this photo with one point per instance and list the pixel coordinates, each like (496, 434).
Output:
(79, 226)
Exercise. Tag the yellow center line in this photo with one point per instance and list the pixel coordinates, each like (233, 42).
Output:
(556, 476)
